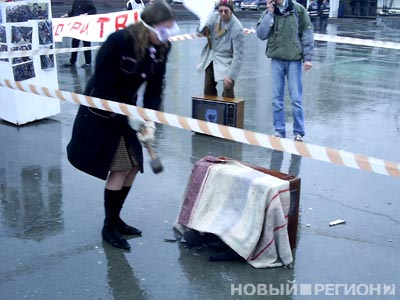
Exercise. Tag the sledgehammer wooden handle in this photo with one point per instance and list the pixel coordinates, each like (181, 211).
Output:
(155, 163)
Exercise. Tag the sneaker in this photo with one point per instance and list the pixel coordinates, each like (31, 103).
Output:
(298, 138)
(277, 134)
(86, 66)
(68, 65)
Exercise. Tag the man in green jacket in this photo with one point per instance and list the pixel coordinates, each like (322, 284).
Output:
(287, 27)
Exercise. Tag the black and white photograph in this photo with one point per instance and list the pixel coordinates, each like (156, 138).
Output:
(3, 34)
(21, 34)
(23, 71)
(3, 48)
(45, 32)
(39, 11)
(47, 61)
(18, 60)
(17, 13)
(26, 12)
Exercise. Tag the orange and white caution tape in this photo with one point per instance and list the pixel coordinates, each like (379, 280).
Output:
(356, 41)
(184, 37)
(191, 36)
(339, 157)
(317, 37)
(49, 51)
(44, 51)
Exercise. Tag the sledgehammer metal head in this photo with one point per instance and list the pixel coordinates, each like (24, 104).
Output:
(155, 163)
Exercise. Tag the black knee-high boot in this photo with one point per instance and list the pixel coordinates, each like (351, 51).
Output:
(122, 227)
(110, 232)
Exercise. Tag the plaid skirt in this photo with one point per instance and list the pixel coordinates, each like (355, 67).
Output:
(124, 157)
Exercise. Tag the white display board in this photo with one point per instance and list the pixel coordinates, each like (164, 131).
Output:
(27, 25)
(334, 8)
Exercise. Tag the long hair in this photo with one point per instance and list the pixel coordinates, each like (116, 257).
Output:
(140, 36)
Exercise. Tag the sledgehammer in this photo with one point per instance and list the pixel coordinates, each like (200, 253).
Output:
(155, 163)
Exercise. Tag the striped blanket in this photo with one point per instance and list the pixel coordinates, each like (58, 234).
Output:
(245, 208)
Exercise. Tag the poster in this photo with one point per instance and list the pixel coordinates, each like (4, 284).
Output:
(3, 34)
(93, 28)
(45, 32)
(27, 11)
(27, 26)
(3, 48)
(18, 60)
(47, 61)
(23, 71)
(21, 34)
(3, 41)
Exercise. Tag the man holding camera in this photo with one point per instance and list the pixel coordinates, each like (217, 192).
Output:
(287, 27)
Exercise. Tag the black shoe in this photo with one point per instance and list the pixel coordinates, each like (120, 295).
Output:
(86, 66)
(125, 229)
(118, 198)
(110, 232)
(111, 235)
(68, 65)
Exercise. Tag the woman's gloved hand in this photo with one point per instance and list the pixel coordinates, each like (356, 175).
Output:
(145, 129)
(136, 124)
(146, 133)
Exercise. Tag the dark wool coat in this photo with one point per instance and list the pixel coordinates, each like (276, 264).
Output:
(118, 76)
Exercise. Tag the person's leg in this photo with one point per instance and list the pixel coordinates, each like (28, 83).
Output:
(229, 90)
(324, 23)
(320, 21)
(74, 55)
(88, 53)
(209, 81)
(110, 232)
(296, 96)
(313, 23)
(113, 204)
(118, 179)
(278, 70)
(276, 160)
(122, 227)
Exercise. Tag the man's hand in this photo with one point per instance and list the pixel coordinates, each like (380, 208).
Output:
(271, 6)
(307, 65)
(227, 81)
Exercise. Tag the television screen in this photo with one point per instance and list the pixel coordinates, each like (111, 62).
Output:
(209, 111)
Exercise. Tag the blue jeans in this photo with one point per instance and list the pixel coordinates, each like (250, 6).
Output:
(292, 70)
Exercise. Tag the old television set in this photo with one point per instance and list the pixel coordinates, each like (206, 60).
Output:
(221, 110)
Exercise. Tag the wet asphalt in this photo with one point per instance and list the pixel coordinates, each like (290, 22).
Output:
(51, 214)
